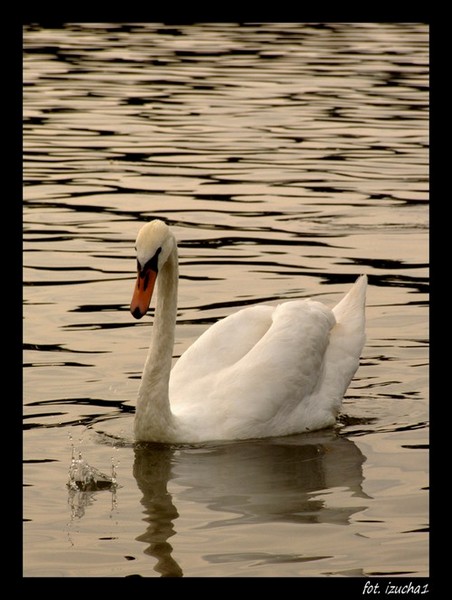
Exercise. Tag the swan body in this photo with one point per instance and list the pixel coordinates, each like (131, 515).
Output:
(263, 371)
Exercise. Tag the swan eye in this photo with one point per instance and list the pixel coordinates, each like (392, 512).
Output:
(152, 264)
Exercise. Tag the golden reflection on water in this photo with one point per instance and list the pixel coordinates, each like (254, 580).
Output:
(288, 159)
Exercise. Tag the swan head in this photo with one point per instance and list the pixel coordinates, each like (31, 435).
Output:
(154, 244)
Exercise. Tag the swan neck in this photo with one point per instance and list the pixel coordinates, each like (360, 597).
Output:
(166, 309)
(153, 417)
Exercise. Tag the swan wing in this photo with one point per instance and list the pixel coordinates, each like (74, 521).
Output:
(270, 371)
(258, 383)
(220, 346)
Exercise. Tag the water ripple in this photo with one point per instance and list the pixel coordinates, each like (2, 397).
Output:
(288, 159)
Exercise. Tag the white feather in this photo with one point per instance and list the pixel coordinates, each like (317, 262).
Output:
(262, 371)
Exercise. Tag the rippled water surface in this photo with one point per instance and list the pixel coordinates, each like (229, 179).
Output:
(288, 159)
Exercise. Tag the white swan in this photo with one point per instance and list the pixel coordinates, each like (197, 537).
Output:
(263, 371)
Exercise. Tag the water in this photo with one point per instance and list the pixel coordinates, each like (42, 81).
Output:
(288, 159)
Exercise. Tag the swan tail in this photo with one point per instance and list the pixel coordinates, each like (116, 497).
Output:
(350, 311)
(347, 339)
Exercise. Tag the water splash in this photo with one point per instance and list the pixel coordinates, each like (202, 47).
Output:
(84, 481)
(86, 478)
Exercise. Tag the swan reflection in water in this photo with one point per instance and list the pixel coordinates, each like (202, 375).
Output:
(260, 481)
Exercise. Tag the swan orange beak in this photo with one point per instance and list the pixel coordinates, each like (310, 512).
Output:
(142, 293)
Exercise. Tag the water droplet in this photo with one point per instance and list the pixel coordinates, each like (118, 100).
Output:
(83, 476)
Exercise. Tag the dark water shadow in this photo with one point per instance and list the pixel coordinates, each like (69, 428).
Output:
(262, 481)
